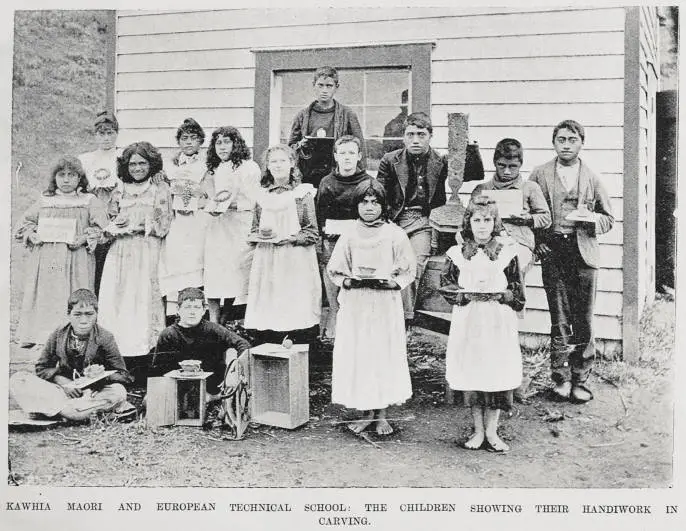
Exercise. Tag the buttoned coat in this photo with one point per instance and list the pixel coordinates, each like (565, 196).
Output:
(593, 193)
(394, 173)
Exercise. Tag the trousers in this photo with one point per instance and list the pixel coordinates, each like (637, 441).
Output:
(35, 395)
(570, 286)
(418, 230)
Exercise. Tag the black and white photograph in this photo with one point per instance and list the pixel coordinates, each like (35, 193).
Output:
(332, 247)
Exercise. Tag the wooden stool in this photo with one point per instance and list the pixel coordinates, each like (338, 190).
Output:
(279, 382)
(177, 398)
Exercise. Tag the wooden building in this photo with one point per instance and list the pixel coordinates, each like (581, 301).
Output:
(515, 71)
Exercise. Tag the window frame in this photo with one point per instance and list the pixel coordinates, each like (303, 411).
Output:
(415, 56)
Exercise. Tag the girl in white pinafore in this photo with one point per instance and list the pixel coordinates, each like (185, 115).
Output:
(232, 182)
(182, 254)
(483, 359)
(370, 370)
(284, 293)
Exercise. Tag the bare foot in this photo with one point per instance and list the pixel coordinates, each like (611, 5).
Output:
(358, 426)
(496, 444)
(474, 442)
(383, 427)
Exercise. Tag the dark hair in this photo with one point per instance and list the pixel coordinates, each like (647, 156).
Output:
(509, 148)
(420, 120)
(191, 127)
(348, 139)
(239, 151)
(66, 162)
(106, 118)
(82, 296)
(481, 203)
(267, 177)
(145, 150)
(573, 126)
(190, 294)
(371, 187)
(326, 71)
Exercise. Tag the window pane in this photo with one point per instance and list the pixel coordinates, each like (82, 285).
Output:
(386, 87)
(350, 87)
(384, 121)
(297, 88)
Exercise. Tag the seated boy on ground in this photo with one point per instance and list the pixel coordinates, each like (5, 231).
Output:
(74, 350)
(193, 337)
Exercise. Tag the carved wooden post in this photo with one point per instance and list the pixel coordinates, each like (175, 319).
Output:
(458, 137)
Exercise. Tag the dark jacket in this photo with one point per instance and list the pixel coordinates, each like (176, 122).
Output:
(592, 192)
(101, 349)
(394, 173)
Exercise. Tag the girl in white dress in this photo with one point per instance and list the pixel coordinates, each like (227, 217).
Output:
(285, 291)
(232, 182)
(372, 262)
(183, 250)
(483, 360)
(131, 305)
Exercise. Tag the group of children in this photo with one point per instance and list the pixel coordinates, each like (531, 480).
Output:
(249, 237)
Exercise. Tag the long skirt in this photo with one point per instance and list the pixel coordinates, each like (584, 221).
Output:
(285, 291)
(130, 298)
(52, 273)
(483, 351)
(370, 368)
(228, 256)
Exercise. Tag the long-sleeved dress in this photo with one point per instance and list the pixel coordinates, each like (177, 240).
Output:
(370, 368)
(53, 270)
(228, 255)
(130, 297)
(285, 291)
(483, 351)
(183, 250)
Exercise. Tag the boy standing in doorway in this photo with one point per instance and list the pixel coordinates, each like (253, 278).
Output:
(323, 118)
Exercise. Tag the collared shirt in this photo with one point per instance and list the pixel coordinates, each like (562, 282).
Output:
(187, 159)
(76, 348)
(569, 175)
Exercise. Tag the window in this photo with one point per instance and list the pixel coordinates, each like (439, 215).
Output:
(378, 82)
(379, 97)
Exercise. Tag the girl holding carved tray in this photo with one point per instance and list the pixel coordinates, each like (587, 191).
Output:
(183, 250)
(61, 231)
(481, 280)
(232, 181)
(371, 263)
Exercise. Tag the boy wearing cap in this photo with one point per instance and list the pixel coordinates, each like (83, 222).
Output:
(101, 171)
(323, 118)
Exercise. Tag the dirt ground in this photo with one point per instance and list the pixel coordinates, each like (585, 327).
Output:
(621, 439)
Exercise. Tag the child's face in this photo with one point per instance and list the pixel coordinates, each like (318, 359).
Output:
(191, 312)
(369, 209)
(189, 143)
(139, 167)
(279, 165)
(482, 224)
(417, 139)
(324, 89)
(567, 145)
(347, 156)
(106, 137)
(507, 169)
(223, 146)
(67, 180)
(82, 318)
